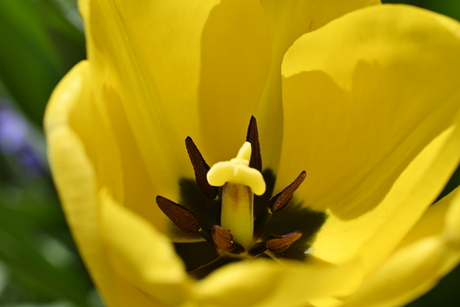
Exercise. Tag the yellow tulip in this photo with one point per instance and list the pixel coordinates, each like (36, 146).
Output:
(363, 97)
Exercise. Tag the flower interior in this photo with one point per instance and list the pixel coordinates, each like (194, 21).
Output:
(230, 213)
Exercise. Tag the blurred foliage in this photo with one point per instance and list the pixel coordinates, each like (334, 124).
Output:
(446, 7)
(39, 44)
(39, 263)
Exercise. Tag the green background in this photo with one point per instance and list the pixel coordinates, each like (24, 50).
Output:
(40, 40)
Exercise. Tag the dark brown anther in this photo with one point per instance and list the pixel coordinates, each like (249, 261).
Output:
(253, 137)
(282, 199)
(278, 244)
(182, 217)
(201, 168)
(223, 239)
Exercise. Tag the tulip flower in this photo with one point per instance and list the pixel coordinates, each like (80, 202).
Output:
(353, 111)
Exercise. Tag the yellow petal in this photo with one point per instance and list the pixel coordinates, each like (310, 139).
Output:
(179, 69)
(141, 254)
(263, 283)
(374, 122)
(111, 147)
(432, 223)
(164, 70)
(75, 179)
(426, 254)
(452, 232)
(288, 20)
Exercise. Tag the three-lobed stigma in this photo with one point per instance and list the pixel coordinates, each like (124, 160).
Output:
(238, 171)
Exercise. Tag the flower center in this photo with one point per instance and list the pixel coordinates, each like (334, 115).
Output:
(231, 208)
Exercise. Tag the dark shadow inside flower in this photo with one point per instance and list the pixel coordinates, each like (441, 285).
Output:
(196, 254)
(201, 258)
(261, 202)
(295, 217)
(207, 210)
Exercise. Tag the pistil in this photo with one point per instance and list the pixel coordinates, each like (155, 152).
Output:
(240, 182)
(238, 213)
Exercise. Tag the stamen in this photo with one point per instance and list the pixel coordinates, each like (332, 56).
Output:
(282, 199)
(253, 137)
(278, 244)
(223, 239)
(182, 217)
(200, 168)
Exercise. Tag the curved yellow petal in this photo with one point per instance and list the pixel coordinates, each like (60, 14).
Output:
(374, 122)
(432, 222)
(452, 232)
(178, 69)
(263, 283)
(110, 145)
(141, 254)
(428, 252)
(288, 20)
(164, 70)
(76, 180)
